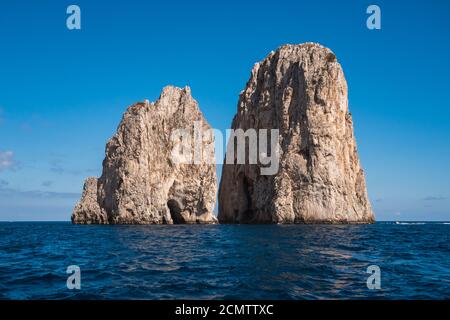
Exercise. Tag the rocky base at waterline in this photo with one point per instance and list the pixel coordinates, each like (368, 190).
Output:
(301, 91)
(140, 183)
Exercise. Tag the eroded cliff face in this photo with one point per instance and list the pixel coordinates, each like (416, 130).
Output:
(140, 183)
(301, 91)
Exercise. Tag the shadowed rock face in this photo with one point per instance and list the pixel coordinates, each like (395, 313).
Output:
(301, 91)
(140, 183)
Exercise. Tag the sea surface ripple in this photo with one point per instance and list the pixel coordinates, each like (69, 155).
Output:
(224, 261)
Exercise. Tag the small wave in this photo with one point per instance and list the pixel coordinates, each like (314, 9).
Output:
(420, 223)
(397, 222)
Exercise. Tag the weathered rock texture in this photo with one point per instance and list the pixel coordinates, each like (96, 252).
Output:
(300, 90)
(140, 183)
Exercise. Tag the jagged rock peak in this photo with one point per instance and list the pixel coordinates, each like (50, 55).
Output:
(140, 182)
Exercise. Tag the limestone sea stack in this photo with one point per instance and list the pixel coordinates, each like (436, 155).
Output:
(140, 183)
(301, 91)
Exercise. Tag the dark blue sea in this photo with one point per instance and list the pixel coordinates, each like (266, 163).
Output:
(225, 261)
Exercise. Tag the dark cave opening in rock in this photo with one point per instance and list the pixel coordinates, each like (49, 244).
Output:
(175, 211)
(247, 215)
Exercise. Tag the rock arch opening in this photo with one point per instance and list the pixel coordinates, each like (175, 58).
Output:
(175, 211)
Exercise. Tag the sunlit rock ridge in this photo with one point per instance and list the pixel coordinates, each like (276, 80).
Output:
(301, 91)
(140, 183)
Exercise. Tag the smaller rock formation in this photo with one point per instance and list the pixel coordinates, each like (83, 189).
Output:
(88, 210)
(140, 183)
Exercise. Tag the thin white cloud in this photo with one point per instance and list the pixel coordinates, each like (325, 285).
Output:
(10, 193)
(6, 160)
(434, 198)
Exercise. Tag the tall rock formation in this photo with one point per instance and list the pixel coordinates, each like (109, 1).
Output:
(140, 183)
(301, 91)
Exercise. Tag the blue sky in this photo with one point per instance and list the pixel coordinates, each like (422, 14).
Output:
(62, 93)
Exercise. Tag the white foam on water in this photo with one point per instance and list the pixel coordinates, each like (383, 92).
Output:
(420, 223)
(410, 222)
